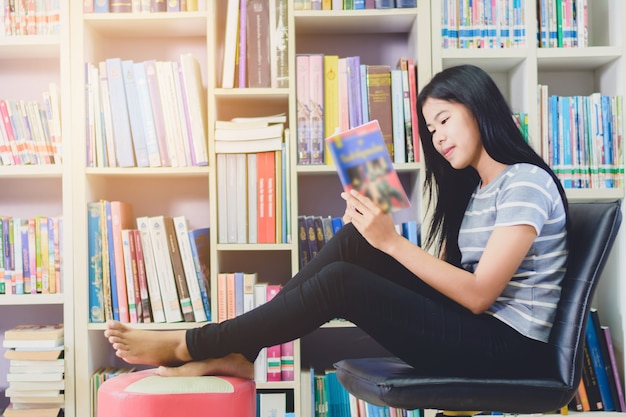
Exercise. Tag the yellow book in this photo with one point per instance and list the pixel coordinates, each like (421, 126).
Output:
(331, 99)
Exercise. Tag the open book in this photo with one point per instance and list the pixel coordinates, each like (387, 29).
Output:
(364, 164)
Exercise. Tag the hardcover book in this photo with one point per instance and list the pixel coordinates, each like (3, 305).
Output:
(364, 164)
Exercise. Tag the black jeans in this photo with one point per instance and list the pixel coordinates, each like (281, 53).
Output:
(350, 279)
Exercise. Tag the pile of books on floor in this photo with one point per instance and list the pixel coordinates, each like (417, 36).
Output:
(36, 370)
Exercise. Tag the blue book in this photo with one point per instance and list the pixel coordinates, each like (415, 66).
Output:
(400, 4)
(135, 113)
(363, 164)
(353, 66)
(337, 223)
(113, 281)
(119, 111)
(593, 344)
(565, 134)
(607, 136)
(94, 250)
(199, 241)
(25, 255)
(101, 6)
(147, 118)
(365, 110)
(238, 293)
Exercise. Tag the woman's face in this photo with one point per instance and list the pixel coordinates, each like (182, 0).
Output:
(455, 133)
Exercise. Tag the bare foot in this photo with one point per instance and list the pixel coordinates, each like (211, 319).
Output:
(233, 364)
(147, 347)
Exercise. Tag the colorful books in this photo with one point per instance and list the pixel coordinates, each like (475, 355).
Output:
(364, 164)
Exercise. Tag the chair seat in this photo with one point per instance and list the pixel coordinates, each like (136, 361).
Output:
(391, 382)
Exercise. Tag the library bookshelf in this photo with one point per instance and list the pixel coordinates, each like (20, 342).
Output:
(377, 36)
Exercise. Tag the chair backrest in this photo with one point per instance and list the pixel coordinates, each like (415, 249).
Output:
(594, 226)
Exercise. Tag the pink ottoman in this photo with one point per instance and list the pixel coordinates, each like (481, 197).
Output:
(144, 393)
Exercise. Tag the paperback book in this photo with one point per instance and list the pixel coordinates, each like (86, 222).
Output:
(363, 163)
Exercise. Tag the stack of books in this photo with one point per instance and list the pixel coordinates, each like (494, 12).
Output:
(36, 370)
(252, 179)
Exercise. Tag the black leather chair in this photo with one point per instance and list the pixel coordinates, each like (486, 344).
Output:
(391, 382)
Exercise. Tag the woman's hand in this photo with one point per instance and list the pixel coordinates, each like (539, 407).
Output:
(371, 221)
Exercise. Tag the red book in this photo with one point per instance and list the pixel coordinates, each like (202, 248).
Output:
(273, 352)
(413, 94)
(266, 221)
(122, 218)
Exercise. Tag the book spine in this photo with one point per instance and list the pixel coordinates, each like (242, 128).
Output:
(108, 277)
(606, 331)
(303, 110)
(316, 108)
(182, 237)
(121, 125)
(243, 52)
(121, 218)
(397, 117)
(598, 365)
(177, 268)
(128, 272)
(142, 278)
(94, 243)
(273, 352)
(152, 277)
(147, 119)
(379, 98)
(163, 263)
(200, 248)
(258, 47)
(134, 113)
(157, 112)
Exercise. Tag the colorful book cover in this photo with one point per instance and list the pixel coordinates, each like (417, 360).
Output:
(94, 244)
(364, 164)
(598, 365)
(200, 249)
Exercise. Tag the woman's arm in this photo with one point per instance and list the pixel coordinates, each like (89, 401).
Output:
(476, 291)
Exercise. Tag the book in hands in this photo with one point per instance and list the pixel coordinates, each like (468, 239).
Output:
(363, 164)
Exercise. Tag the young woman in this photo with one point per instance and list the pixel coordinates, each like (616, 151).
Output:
(482, 307)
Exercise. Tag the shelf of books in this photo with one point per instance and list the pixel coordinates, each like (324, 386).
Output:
(351, 67)
(562, 71)
(36, 285)
(141, 177)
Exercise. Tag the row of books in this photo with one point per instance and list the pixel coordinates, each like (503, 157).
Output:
(253, 197)
(146, 114)
(582, 138)
(352, 4)
(240, 292)
(140, 6)
(30, 131)
(335, 94)
(601, 386)
(149, 269)
(36, 370)
(29, 18)
(315, 231)
(31, 255)
(563, 23)
(98, 378)
(328, 398)
(256, 44)
(483, 24)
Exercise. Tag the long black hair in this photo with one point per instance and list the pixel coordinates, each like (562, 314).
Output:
(447, 189)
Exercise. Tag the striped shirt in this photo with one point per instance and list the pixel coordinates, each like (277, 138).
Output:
(522, 194)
